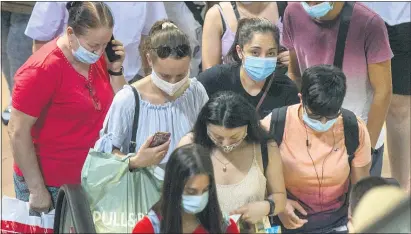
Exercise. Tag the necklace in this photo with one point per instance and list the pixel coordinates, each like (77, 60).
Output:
(224, 164)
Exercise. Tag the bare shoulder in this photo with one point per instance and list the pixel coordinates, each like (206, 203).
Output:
(213, 15)
(144, 88)
(187, 139)
(265, 123)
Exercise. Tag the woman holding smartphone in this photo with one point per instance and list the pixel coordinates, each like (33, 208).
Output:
(168, 100)
(188, 203)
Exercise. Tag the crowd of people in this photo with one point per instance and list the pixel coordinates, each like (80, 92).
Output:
(273, 109)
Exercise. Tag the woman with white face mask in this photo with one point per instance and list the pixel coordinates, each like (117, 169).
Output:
(188, 203)
(244, 163)
(168, 101)
(254, 71)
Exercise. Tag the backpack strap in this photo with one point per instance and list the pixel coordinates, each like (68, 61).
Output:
(155, 221)
(351, 133)
(235, 9)
(277, 124)
(281, 9)
(345, 15)
(196, 11)
(132, 147)
(264, 155)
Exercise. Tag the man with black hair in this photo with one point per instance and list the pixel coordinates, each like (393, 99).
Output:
(324, 149)
(354, 38)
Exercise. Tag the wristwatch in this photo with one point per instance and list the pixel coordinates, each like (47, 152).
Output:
(119, 73)
(272, 207)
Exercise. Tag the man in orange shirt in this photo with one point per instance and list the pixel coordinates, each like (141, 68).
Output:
(316, 163)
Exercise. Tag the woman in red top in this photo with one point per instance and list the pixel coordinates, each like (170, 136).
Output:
(189, 201)
(61, 96)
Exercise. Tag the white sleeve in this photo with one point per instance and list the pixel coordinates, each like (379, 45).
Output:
(46, 20)
(155, 11)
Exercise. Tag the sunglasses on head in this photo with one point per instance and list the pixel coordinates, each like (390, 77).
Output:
(165, 51)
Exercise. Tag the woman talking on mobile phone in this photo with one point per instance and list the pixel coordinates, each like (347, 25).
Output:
(188, 203)
(168, 101)
(61, 95)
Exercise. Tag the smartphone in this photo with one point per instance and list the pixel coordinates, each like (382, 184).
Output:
(111, 54)
(160, 138)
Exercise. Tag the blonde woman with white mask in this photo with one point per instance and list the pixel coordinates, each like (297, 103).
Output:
(168, 101)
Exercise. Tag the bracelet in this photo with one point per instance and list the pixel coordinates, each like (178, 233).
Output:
(272, 207)
(119, 73)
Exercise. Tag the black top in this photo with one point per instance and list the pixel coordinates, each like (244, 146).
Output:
(226, 77)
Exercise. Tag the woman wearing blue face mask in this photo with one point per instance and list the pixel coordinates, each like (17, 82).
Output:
(61, 96)
(252, 74)
(188, 203)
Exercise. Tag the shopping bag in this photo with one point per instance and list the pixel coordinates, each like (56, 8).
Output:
(15, 218)
(118, 197)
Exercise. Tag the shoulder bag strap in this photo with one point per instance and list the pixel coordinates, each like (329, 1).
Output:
(346, 14)
(265, 92)
(132, 147)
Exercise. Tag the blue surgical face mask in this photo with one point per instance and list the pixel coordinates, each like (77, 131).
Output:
(194, 204)
(258, 68)
(85, 56)
(317, 11)
(317, 125)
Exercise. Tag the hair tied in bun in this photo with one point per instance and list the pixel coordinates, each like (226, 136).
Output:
(168, 24)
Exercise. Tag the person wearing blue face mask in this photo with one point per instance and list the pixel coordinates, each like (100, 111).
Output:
(61, 96)
(188, 203)
(324, 149)
(253, 70)
(354, 38)
(319, 10)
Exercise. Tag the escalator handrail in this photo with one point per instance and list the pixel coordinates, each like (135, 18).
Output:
(78, 206)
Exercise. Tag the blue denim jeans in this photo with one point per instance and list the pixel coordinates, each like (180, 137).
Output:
(16, 47)
(23, 193)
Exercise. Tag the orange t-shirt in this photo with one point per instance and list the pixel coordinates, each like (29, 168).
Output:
(330, 159)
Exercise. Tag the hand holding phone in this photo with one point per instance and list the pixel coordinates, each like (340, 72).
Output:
(160, 138)
(111, 54)
(149, 156)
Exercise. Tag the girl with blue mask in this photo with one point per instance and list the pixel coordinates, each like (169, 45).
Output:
(189, 201)
(256, 70)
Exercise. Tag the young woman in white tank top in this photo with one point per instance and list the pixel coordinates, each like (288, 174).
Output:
(229, 126)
